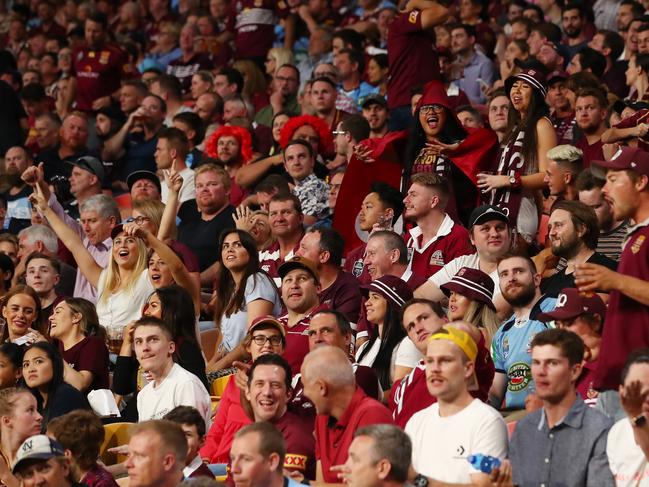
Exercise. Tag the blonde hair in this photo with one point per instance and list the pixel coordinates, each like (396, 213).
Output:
(483, 317)
(254, 79)
(282, 56)
(113, 278)
(8, 398)
(211, 167)
(152, 209)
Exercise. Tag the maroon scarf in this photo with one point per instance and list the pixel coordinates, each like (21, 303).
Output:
(511, 163)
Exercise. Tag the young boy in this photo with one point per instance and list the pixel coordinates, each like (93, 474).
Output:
(193, 425)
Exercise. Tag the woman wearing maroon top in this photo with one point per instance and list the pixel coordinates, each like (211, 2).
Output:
(82, 343)
(523, 161)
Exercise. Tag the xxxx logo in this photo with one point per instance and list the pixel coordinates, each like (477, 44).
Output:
(295, 461)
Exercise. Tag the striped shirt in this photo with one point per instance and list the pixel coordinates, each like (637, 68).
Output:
(610, 244)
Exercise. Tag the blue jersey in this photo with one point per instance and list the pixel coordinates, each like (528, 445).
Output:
(512, 353)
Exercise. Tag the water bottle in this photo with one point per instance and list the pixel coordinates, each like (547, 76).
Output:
(484, 463)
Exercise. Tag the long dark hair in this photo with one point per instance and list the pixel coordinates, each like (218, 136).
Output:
(89, 321)
(178, 312)
(538, 109)
(393, 333)
(57, 375)
(37, 323)
(451, 132)
(231, 298)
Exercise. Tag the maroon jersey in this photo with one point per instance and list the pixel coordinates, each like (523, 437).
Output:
(300, 444)
(343, 295)
(297, 339)
(411, 55)
(585, 383)
(253, 22)
(334, 435)
(354, 264)
(185, 70)
(99, 73)
(564, 128)
(641, 116)
(270, 259)
(592, 152)
(626, 327)
(452, 240)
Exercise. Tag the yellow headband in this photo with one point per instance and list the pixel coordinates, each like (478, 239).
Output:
(460, 338)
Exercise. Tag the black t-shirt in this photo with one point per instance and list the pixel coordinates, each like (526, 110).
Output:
(202, 237)
(12, 112)
(553, 285)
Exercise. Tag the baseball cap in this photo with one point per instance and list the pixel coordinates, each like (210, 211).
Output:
(37, 447)
(299, 262)
(487, 213)
(392, 288)
(267, 320)
(143, 174)
(571, 303)
(557, 75)
(631, 158)
(472, 283)
(460, 338)
(374, 98)
(534, 77)
(92, 165)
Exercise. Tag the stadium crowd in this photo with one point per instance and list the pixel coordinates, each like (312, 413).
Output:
(363, 242)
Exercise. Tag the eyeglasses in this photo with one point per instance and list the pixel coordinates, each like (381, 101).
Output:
(431, 108)
(140, 220)
(260, 340)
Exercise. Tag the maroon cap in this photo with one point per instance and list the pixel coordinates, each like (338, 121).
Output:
(630, 158)
(571, 304)
(473, 284)
(392, 288)
(533, 77)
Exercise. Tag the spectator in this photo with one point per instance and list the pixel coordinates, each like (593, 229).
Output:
(144, 186)
(279, 56)
(498, 106)
(612, 232)
(193, 425)
(18, 216)
(135, 149)
(319, 50)
(86, 180)
(564, 424)
(189, 62)
(590, 114)
(450, 364)
(388, 351)
(478, 71)
(166, 47)
(228, 82)
(82, 434)
(328, 380)
(285, 217)
(47, 128)
(202, 82)
(588, 60)
(209, 107)
(584, 316)
(350, 66)
(131, 95)
(379, 454)
(41, 460)
(411, 57)
(380, 209)
(611, 45)
(435, 240)
(339, 290)
(192, 126)
(299, 161)
(9, 246)
(157, 452)
(627, 445)
(171, 385)
(523, 161)
(469, 117)
(375, 110)
(42, 273)
(542, 33)
(628, 293)
(564, 165)
(323, 96)
(348, 134)
(171, 153)
(553, 57)
(573, 21)
(169, 88)
(268, 392)
(21, 310)
(258, 456)
(43, 372)
(283, 97)
(519, 285)
(561, 107)
(204, 219)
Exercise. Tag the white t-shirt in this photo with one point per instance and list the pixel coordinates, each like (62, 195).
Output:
(119, 309)
(446, 273)
(405, 354)
(625, 458)
(179, 388)
(187, 190)
(478, 428)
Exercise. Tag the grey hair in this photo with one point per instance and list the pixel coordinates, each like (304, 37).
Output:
(242, 102)
(331, 365)
(392, 444)
(41, 233)
(104, 205)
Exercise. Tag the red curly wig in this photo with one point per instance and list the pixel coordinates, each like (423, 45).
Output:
(241, 134)
(320, 126)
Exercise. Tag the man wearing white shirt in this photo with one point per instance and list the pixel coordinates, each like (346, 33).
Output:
(170, 385)
(172, 148)
(468, 425)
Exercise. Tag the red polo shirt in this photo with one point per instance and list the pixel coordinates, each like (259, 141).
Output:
(626, 327)
(297, 339)
(333, 437)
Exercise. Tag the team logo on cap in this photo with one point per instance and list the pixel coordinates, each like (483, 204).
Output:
(412, 18)
(520, 375)
(561, 300)
(27, 446)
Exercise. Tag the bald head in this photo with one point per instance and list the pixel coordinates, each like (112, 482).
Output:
(329, 365)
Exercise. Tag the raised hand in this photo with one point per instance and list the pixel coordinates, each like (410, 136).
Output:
(33, 175)
(242, 218)
(363, 153)
(632, 397)
(37, 199)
